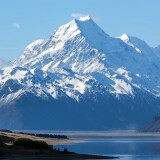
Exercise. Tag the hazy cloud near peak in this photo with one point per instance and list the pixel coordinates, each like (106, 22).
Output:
(78, 15)
(16, 25)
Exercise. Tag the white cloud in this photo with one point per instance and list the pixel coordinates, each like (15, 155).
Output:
(16, 25)
(78, 15)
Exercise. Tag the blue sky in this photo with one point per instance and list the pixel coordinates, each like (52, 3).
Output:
(23, 21)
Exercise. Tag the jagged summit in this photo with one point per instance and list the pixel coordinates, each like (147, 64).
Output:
(125, 37)
(85, 18)
(84, 25)
(140, 46)
(76, 33)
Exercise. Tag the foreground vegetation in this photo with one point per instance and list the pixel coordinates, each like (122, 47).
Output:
(46, 135)
(38, 134)
(30, 144)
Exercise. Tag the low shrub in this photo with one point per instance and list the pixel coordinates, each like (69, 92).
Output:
(30, 144)
(5, 130)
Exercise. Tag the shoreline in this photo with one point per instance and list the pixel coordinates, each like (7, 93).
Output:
(72, 135)
(8, 150)
(50, 141)
(81, 136)
(112, 135)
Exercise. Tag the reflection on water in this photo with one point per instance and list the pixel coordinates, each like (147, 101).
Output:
(127, 149)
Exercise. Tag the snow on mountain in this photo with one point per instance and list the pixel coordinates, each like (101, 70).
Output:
(139, 45)
(81, 47)
(127, 40)
(82, 70)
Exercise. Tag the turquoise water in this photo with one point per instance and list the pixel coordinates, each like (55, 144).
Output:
(126, 149)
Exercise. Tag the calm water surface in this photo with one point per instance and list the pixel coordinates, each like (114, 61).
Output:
(126, 149)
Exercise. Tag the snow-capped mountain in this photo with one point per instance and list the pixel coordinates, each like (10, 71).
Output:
(81, 78)
(4, 63)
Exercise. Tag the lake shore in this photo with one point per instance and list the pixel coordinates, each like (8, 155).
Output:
(82, 135)
(9, 151)
(50, 141)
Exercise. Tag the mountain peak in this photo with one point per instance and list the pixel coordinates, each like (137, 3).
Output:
(85, 27)
(76, 25)
(85, 18)
(83, 31)
(124, 37)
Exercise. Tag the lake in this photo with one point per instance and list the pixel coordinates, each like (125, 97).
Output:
(128, 145)
(126, 149)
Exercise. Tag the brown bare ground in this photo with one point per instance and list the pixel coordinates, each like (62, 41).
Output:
(50, 141)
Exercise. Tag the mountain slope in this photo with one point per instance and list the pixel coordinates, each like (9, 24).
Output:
(157, 51)
(81, 75)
